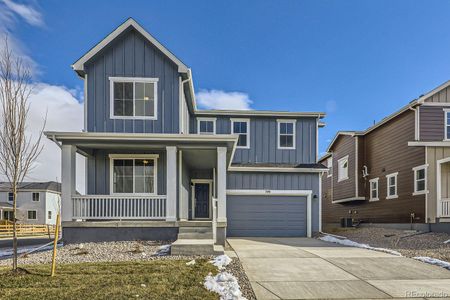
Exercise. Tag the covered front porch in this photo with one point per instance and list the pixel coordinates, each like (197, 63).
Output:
(163, 181)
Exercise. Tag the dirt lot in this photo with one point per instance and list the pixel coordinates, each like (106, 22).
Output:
(408, 243)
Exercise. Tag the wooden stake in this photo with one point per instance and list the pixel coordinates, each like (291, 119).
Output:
(55, 243)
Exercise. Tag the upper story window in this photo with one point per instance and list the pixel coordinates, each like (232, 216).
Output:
(10, 197)
(133, 174)
(391, 185)
(447, 124)
(241, 127)
(343, 168)
(420, 180)
(206, 125)
(330, 166)
(373, 189)
(286, 134)
(133, 98)
(35, 197)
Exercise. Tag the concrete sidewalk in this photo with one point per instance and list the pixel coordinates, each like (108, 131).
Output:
(303, 268)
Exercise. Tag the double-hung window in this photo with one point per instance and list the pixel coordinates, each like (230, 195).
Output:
(10, 197)
(391, 183)
(133, 98)
(373, 189)
(31, 215)
(447, 124)
(420, 180)
(330, 166)
(206, 125)
(343, 168)
(133, 174)
(286, 134)
(241, 127)
(35, 197)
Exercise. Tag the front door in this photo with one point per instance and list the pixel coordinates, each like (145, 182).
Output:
(201, 194)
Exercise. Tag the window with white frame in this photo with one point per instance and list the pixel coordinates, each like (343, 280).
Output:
(35, 197)
(373, 189)
(343, 168)
(330, 166)
(133, 98)
(447, 124)
(133, 175)
(391, 183)
(49, 215)
(241, 127)
(10, 197)
(420, 179)
(31, 215)
(286, 134)
(206, 125)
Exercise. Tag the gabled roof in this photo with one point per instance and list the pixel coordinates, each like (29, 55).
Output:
(78, 66)
(270, 113)
(338, 134)
(33, 186)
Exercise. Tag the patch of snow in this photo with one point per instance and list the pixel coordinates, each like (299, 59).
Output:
(4, 254)
(434, 261)
(163, 250)
(190, 263)
(143, 285)
(221, 261)
(347, 242)
(224, 284)
(447, 242)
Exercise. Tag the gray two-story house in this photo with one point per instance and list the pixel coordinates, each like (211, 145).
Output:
(160, 168)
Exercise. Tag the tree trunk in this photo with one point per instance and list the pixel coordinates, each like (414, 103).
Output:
(14, 228)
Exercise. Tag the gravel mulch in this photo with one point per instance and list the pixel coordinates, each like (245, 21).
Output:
(235, 268)
(409, 243)
(100, 252)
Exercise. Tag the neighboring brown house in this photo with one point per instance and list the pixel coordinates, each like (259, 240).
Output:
(395, 172)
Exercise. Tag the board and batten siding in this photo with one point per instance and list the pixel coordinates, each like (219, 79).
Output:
(432, 122)
(279, 181)
(131, 55)
(263, 140)
(98, 171)
(433, 155)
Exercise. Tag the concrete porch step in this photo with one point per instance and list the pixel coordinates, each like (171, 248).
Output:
(195, 247)
(195, 235)
(196, 229)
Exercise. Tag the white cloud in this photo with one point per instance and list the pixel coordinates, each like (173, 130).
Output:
(217, 99)
(64, 113)
(27, 12)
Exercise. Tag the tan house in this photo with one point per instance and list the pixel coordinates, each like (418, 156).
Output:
(396, 172)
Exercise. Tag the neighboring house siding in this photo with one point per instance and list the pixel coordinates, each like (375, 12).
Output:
(433, 155)
(263, 141)
(130, 55)
(279, 181)
(345, 145)
(386, 151)
(98, 172)
(362, 187)
(432, 123)
(442, 96)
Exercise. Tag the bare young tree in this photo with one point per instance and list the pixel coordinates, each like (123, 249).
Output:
(18, 152)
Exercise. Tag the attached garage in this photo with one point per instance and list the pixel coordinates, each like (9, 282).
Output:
(270, 213)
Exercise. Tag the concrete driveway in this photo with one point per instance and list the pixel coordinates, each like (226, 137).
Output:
(304, 268)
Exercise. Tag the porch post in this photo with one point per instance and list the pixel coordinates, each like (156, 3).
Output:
(221, 184)
(68, 180)
(171, 190)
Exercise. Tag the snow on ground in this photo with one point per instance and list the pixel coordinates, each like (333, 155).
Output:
(433, 261)
(163, 250)
(447, 242)
(9, 252)
(224, 283)
(347, 242)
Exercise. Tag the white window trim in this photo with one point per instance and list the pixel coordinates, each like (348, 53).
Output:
(113, 157)
(39, 196)
(388, 176)
(28, 215)
(134, 80)
(248, 131)
(370, 189)
(345, 158)
(206, 119)
(330, 169)
(446, 111)
(415, 169)
(293, 122)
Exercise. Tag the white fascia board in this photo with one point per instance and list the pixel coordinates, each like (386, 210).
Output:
(349, 200)
(275, 169)
(268, 113)
(429, 144)
(270, 192)
(79, 64)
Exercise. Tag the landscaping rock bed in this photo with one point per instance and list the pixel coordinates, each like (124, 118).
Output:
(409, 243)
(235, 268)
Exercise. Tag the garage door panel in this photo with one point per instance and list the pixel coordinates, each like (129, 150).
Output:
(266, 215)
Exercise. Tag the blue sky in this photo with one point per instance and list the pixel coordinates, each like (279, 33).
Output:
(357, 60)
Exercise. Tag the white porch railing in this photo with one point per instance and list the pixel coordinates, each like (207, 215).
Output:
(112, 207)
(445, 207)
